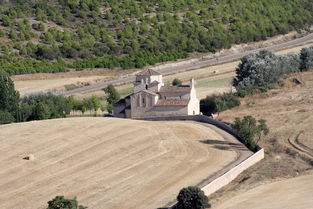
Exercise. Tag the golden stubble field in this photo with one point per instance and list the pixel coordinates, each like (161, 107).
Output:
(105, 162)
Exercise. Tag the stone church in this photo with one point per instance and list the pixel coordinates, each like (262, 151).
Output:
(151, 98)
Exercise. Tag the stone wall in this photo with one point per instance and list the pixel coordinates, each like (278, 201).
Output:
(230, 175)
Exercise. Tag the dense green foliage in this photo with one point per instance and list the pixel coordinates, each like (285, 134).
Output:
(250, 130)
(264, 68)
(14, 66)
(192, 198)
(306, 57)
(132, 33)
(38, 107)
(177, 82)
(112, 97)
(6, 117)
(45, 106)
(218, 103)
(9, 99)
(59, 202)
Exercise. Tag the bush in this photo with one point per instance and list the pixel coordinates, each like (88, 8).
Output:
(177, 82)
(6, 117)
(192, 198)
(250, 130)
(218, 103)
(59, 202)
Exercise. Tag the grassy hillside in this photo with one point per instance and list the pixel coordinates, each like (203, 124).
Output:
(130, 33)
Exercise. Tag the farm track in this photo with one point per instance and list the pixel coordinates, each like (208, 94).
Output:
(299, 146)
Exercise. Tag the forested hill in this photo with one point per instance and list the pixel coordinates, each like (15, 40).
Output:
(52, 36)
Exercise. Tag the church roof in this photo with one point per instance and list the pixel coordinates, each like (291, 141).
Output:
(150, 92)
(148, 72)
(165, 102)
(175, 89)
(154, 83)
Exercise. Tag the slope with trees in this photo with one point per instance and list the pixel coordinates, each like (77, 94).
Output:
(128, 34)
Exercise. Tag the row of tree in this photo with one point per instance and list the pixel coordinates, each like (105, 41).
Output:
(40, 106)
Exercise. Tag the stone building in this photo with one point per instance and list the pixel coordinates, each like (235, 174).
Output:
(152, 99)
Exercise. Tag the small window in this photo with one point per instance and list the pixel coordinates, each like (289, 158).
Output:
(180, 97)
(146, 86)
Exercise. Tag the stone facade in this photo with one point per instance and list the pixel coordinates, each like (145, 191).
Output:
(152, 99)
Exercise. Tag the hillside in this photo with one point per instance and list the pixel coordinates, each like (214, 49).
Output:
(288, 112)
(105, 161)
(132, 34)
(288, 194)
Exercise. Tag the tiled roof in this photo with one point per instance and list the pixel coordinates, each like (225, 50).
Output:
(150, 92)
(154, 83)
(164, 102)
(148, 72)
(175, 89)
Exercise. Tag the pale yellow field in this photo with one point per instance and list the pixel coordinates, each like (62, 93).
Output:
(293, 193)
(105, 162)
(31, 86)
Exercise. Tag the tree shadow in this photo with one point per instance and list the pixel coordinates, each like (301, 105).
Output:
(224, 145)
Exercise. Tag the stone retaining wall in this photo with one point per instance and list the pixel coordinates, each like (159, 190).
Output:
(230, 175)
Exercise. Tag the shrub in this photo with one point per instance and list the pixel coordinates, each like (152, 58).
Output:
(59, 202)
(250, 130)
(218, 103)
(192, 198)
(176, 82)
(6, 117)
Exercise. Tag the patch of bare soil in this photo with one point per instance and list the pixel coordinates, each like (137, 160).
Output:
(105, 162)
(288, 147)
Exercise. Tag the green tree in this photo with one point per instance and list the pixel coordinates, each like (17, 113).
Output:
(6, 117)
(59, 202)
(250, 130)
(306, 57)
(9, 97)
(177, 82)
(218, 103)
(112, 97)
(192, 198)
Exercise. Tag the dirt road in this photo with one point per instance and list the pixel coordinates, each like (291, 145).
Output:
(195, 65)
(112, 162)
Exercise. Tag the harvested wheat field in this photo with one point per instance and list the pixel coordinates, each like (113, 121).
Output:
(293, 193)
(105, 162)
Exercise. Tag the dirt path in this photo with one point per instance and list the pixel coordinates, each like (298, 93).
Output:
(112, 162)
(293, 193)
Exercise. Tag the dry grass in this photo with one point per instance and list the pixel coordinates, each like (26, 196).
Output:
(288, 111)
(105, 162)
(287, 194)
